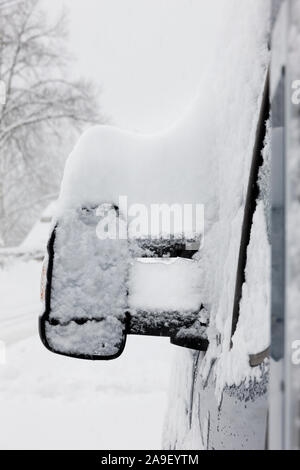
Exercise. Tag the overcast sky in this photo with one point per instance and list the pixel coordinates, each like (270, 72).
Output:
(148, 55)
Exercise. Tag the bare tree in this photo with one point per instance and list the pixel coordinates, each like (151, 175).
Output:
(8, 3)
(42, 111)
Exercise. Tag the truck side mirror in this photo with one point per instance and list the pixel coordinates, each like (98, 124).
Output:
(92, 302)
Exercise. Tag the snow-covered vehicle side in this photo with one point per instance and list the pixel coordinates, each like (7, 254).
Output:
(220, 398)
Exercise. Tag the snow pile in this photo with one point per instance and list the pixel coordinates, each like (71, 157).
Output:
(164, 168)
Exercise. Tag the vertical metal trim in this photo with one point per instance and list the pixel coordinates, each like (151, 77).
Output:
(277, 391)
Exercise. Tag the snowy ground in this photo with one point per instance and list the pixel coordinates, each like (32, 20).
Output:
(52, 402)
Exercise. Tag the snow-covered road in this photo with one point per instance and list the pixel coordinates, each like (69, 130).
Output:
(52, 402)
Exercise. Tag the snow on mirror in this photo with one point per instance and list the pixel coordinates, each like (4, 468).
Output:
(86, 289)
(102, 284)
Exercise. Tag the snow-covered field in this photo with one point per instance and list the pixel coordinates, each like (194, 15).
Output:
(52, 402)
